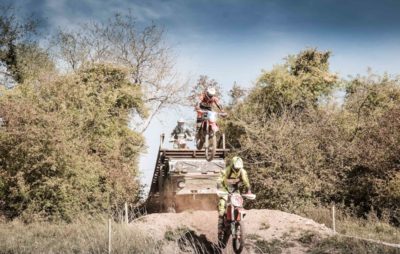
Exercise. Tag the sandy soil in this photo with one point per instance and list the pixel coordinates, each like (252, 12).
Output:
(260, 225)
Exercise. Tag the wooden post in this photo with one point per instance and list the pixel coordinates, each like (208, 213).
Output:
(162, 136)
(126, 213)
(109, 236)
(333, 219)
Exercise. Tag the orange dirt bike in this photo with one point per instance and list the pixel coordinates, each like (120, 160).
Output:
(233, 220)
(207, 134)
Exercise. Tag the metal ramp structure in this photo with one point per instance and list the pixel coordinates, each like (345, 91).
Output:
(165, 155)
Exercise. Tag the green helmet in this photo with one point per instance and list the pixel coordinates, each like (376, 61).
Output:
(237, 163)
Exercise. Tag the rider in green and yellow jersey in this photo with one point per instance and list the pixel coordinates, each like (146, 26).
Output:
(229, 180)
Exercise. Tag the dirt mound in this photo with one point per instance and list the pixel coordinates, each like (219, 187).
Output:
(267, 231)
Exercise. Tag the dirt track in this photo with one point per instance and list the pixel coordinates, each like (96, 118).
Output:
(282, 230)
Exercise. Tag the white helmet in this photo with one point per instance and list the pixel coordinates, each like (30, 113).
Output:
(237, 163)
(181, 121)
(210, 92)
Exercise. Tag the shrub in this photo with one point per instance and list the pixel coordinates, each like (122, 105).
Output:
(66, 147)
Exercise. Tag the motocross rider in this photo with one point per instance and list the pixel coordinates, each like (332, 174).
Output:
(228, 181)
(180, 128)
(207, 100)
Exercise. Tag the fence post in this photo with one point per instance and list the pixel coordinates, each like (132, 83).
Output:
(109, 236)
(333, 219)
(126, 213)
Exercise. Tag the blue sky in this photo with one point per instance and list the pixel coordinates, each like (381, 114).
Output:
(233, 40)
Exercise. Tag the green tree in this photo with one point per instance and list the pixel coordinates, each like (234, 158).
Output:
(66, 147)
(280, 130)
(144, 53)
(301, 150)
(372, 109)
(20, 54)
(297, 84)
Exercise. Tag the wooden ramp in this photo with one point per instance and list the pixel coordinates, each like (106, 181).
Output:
(164, 155)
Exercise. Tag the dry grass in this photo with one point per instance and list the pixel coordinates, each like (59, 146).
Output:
(80, 237)
(339, 245)
(91, 236)
(371, 228)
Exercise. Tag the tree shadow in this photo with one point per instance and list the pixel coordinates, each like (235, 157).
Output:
(190, 242)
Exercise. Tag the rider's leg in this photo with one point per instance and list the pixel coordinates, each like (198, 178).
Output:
(198, 125)
(199, 119)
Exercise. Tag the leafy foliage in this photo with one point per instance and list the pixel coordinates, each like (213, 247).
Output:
(295, 85)
(301, 150)
(143, 51)
(66, 147)
(20, 54)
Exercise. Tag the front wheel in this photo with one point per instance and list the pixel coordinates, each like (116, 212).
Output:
(199, 140)
(224, 238)
(211, 146)
(238, 238)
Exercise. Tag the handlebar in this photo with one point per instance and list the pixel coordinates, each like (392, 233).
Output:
(205, 111)
(249, 196)
(187, 139)
(246, 196)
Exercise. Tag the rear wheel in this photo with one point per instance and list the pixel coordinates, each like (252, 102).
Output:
(199, 140)
(211, 147)
(199, 144)
(238, 239)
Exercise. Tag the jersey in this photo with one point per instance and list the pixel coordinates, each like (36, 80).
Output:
(181, 130)
(206, 103)
(229, 179)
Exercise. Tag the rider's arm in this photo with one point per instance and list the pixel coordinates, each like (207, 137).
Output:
(245, 180)
(221, 183)
(218, 104)
(174, 132)
(197, 106)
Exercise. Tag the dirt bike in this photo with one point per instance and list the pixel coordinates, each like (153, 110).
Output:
(207, 134)
(233, 218)
(180, 142)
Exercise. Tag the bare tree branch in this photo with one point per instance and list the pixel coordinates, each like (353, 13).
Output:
(144, 52)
